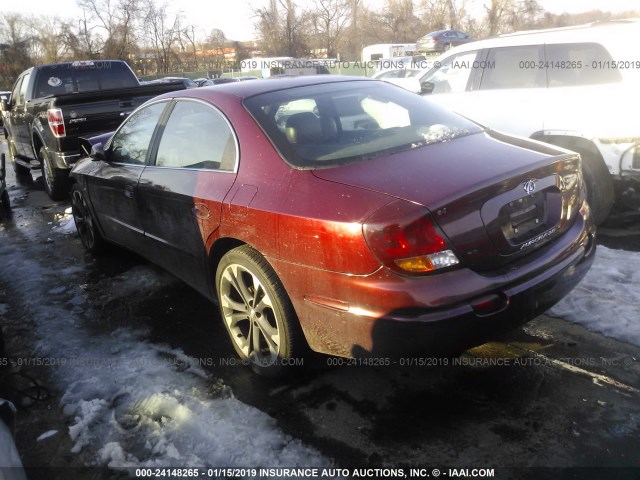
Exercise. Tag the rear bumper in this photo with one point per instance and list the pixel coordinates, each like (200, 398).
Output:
(429, 47)
(64, 160)
(453, 331)
(383, 314)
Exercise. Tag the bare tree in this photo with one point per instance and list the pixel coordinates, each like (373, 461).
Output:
(511, 15)
(15, 45)
(117, 19)
(50, 45)
(162, 32)
(330, 20)
(281, 29)
(398, 22)
(215, 43)
(81, 41)
(190, 35)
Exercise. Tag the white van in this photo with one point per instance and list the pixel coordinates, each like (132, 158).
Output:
(575, 87)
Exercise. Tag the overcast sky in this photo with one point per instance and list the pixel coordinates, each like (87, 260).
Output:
(237, 24)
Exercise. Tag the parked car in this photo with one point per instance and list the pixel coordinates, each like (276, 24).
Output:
(186, 82)
(3, 96)
(397, 73)
(341, 213)
(219, 81)
(52, 106)
(441, 41)
(574, 87)
(397, 63)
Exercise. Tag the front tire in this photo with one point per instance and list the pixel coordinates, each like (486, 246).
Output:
(257, 312)
(87, 231)
(55, 180)
(5, 204)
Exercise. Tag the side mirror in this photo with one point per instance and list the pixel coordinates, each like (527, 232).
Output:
(4, 105)
(427, 87)
(98, 153)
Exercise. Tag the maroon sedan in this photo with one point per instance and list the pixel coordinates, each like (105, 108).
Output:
(343, 214)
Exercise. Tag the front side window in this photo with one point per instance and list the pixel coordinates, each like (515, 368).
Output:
(23, 89)
(452, 76)
(131, 142)
(15, 93)
(514, 67)
(197, 136)
(331, 124)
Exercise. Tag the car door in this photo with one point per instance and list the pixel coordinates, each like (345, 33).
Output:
(113, 186)
(19, 127)
(182, 190)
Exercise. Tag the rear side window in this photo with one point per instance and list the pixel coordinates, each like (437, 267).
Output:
(514, 67)
(575, 64)
(197, 136)
(81, 77)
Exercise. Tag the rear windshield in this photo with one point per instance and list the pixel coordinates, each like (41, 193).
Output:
(81, 77)
(336, 123)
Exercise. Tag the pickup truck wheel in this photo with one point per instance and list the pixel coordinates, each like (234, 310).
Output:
(5, 204)
(600, 192)
(19, 169)
(257, 312)
(55, 180)
(87, 231)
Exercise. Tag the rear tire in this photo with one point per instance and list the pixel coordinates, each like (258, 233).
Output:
(257, 312)
(87, 230)
(55, 180)
(5, 204)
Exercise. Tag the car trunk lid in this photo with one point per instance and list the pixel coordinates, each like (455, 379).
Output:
(495, 197)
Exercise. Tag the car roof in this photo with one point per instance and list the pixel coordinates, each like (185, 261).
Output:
(259, 86)
(597, 32)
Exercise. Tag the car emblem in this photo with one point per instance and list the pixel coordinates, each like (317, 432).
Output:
(530, 186)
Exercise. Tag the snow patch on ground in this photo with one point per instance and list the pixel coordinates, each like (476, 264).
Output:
(607, 300)
(46, 435)
(66, 225)
(134, 403)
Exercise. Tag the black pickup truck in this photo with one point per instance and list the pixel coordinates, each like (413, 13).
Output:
(52, 106)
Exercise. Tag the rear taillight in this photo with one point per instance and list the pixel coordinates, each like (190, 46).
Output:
(56, 122)
(405, 239)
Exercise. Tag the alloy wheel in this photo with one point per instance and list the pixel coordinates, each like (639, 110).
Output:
(249, 315)
(83, 220)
